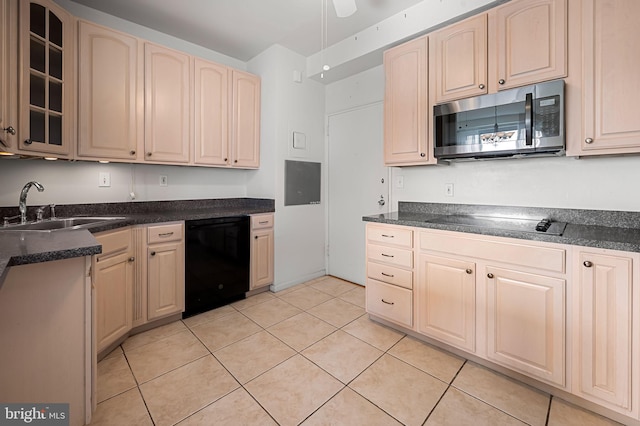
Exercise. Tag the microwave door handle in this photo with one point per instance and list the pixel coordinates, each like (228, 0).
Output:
(528, 119)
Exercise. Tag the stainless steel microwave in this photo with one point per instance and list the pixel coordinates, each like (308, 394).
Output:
(522, 121)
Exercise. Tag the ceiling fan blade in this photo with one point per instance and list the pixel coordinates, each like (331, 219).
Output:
(344, 8)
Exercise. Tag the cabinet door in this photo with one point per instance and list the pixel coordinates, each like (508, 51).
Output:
(8, 32)
(446, 305)
(603, 336)
(458, 59)
(245, 140)
(113, 281)
(211, 94)
(526, 323)
(261, 258)
(531, 42)
(167, 94)
(108, 87)
(46, 79)
(165, 289)
(405, 104)
(611, 79)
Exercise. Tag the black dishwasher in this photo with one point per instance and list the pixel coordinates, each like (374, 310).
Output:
(217, 255)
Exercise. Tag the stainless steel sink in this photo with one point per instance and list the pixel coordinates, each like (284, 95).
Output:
(62, 224)
(502, 223)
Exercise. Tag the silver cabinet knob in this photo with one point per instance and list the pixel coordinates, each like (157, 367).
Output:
(10, 130)
(469, 271)
(587, 264)
(153, 253)
(489, 275)
(501, 81)
(148, 154)
(28, 141)
(132, 152)
(422, 154)
(131, 259)
(481, 86)
(588, 140)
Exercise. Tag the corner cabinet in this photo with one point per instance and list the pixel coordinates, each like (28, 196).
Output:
(109, 93)
(406, 115)
(112, 279)
(47, 80)
(606, 320)
(167, 105)
(262, 251)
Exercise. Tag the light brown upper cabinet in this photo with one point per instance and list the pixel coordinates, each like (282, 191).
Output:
(405, 104)
(46, 78)
(167, 105)
(610, 78)
(109, 92)
(245, 120)
(458, 60)
(211, 113)
(530, 42)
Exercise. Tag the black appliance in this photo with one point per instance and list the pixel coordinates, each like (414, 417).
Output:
(523, 121)
(217, 255)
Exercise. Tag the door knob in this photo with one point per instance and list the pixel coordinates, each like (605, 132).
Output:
(481, 86)
(587, 264)
(10, 130)
(153, 253)
(588, 140)
(489, 275)
(501, 81)
(381, 201)
(469, 271)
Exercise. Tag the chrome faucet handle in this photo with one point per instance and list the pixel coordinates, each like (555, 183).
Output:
(52, 207)
(40, 213)
(7, 219)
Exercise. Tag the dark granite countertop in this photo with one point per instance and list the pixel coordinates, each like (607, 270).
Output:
(613, 230)
(21, 248)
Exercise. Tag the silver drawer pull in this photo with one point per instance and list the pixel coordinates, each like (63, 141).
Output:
(388, 236)
(387, 275)
(388, 303)
(387, 255)
(264, 222)
(166, 234)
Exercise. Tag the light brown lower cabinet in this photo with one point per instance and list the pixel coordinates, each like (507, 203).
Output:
(113, 274)
(138, 278)
(262, 249)
(522, 305)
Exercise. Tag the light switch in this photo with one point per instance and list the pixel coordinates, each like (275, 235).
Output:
(104, 179)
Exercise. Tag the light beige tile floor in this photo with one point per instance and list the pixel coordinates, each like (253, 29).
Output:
(308, 355)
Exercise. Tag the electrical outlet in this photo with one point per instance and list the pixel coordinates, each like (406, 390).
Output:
(448, 189)
(104, 179)
(164, 181)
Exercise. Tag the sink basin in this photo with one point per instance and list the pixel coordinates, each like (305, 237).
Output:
(61, 224)
(500, 223)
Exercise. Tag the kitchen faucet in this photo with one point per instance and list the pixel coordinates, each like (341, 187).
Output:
(23, 199)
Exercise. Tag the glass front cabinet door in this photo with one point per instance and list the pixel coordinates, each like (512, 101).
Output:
(45, 79)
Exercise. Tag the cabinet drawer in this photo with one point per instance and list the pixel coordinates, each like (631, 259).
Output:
(390, 255)
(260, 221)
(165, 233)
(390, 302)
(390, 236)
(544, 258)
(390, 274)
(114, 242)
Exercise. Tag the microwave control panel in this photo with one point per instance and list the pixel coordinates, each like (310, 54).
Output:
(546, 121)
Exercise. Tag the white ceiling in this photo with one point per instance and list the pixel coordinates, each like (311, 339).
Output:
(244, 28)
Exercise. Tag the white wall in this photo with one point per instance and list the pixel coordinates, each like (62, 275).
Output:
(603, 183)
(77, 182)
(288, 106)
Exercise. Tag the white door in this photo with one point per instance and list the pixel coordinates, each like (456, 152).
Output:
(358, 181)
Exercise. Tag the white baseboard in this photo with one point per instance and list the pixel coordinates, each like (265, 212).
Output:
(285, 285)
